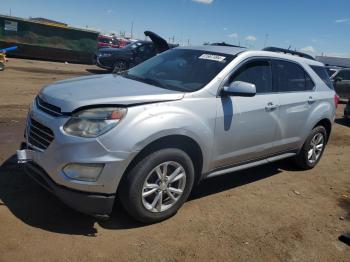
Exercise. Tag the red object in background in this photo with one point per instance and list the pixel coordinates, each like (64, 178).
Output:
(123, 42)
(104, 41)
(336, 100)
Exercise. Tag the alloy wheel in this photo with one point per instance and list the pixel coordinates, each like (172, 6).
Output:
(316, 148)
(163, 186)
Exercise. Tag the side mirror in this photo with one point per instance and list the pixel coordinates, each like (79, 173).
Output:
(239, 88)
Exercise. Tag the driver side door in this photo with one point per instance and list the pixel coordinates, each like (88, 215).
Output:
(144, 52)
(246, 126)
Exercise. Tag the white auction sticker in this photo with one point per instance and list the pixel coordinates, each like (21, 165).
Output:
(212, 57)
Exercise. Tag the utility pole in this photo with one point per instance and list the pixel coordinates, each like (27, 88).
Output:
(132, 28)
(266, 39)
(10, 12)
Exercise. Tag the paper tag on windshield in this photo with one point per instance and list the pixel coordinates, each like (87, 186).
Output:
(212, 57)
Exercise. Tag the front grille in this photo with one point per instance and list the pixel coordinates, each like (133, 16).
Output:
(39, 135)
(48, 108)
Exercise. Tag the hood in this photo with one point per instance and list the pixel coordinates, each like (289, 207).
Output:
(108, 89)
(160, 44)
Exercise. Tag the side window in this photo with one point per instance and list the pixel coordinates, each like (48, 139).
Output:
(256, 72)
(290, 77)
(344, 74)
(323, 74)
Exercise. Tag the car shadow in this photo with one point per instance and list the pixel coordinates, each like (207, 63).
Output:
(97, 71)
(36, 207)
(343, 122)
(232, 180)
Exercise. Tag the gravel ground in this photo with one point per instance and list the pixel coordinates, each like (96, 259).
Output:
(269, 213)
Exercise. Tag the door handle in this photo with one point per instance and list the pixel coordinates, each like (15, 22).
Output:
(311, 100)
(271, 106)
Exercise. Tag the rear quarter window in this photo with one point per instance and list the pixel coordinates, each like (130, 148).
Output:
(323, 74)
(290, 77)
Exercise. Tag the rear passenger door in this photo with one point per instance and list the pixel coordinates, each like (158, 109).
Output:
(296, 99)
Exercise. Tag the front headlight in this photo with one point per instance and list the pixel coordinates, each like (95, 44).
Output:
(94, 122)
(105, 55)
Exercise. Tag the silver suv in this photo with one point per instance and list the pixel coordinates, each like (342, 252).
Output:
(146, 136)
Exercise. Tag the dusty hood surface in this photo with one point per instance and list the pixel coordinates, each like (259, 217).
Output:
(108, 89)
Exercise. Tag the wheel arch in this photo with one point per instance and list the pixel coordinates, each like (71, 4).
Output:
(327, 124)
(185, 143)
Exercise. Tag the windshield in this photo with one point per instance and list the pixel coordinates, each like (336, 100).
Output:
(180, 69)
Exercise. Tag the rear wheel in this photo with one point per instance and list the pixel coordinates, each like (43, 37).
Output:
(313, 149)
(157, 186)
(2, 66)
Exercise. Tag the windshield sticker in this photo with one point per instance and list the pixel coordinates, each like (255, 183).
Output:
(212, 57)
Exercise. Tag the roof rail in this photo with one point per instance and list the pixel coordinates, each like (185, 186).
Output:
(287, 51)
(226, 44)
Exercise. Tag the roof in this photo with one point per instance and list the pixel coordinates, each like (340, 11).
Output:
(216, 49)
(47, 21)
(244, 51)
(41, 23)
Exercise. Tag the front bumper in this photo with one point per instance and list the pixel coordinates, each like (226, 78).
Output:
(98, 205)
(65, 149)
(104, 62)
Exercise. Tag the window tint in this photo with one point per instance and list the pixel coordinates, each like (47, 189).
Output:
(344, 74)
(290, 77)
(323, 74)
(256, 72)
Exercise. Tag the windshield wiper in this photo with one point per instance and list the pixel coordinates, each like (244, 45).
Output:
(146, 80)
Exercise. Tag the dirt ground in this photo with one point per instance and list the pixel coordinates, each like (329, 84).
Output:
(269, 213)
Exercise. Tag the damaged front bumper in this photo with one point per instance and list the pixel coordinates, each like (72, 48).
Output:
(94, 204)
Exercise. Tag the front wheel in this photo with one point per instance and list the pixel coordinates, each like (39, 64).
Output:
(158, 185)
(119, 66)
(2, 66)
(312, 149)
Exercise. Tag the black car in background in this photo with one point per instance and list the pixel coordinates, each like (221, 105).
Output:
(341, 82)
(132, 54)
(347, 111)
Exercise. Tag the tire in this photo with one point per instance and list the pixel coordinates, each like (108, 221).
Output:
(133, 189)
(303, 160)
(2, 66)
(119, 66)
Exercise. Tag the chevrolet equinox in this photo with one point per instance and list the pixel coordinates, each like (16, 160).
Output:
(149, 134)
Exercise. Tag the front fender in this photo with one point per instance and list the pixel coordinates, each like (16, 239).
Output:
(148, 123)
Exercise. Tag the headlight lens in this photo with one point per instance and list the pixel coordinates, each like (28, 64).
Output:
(94, 122)
(105, 54)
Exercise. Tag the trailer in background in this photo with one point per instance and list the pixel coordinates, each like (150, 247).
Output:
(47, 40)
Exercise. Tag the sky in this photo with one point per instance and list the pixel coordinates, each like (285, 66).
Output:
(314, 26)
